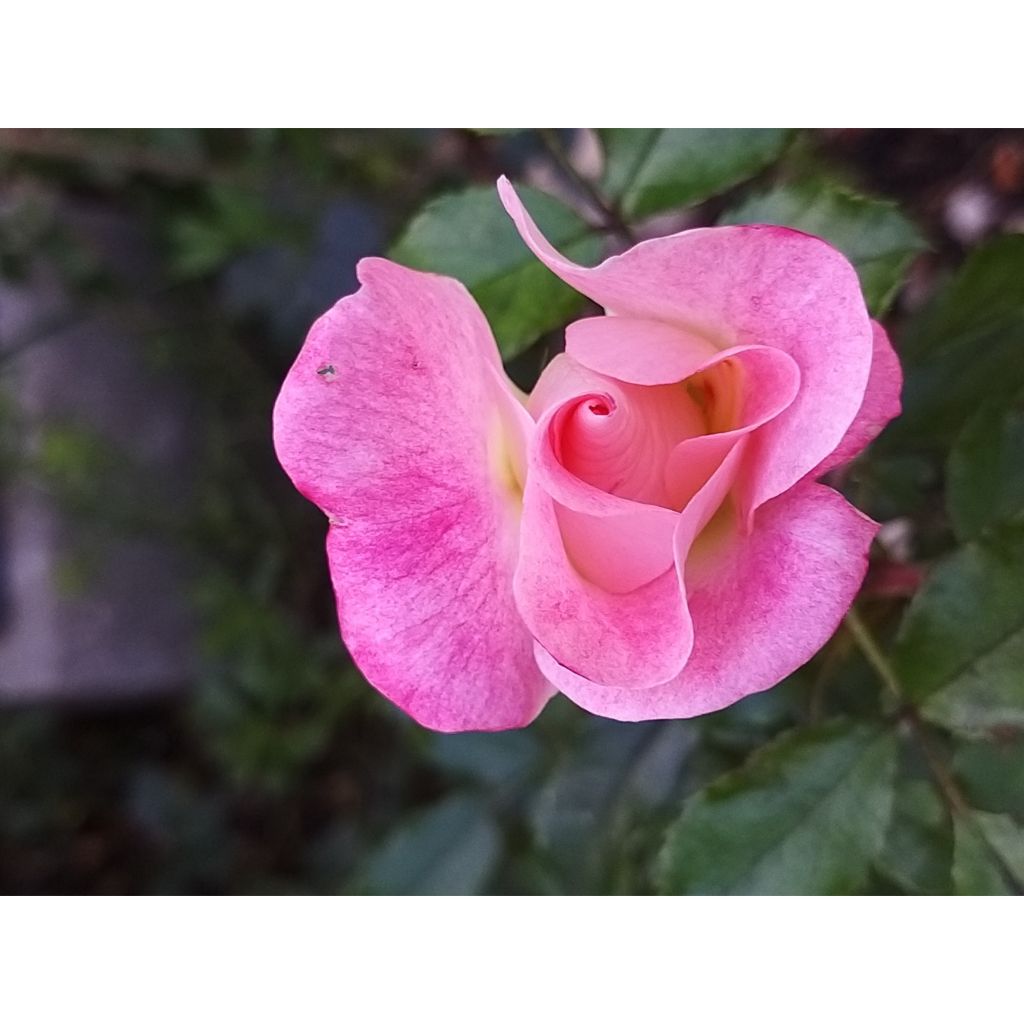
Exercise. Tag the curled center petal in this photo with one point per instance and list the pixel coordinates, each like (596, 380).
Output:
(619, 439)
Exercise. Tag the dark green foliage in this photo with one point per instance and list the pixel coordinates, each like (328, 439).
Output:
(806, 814)
(992, 774)
(966, 347)
(986, 470)
(918, 851)
(598, 798)
(281, 770)
(451, 849)
(989, 856)
(960, 651)
(653, 169)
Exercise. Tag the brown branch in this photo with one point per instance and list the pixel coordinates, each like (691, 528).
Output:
(614, 221)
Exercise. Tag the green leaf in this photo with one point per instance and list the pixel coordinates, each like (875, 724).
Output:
(467, 235)
(592, 802)
(653, 169)
(918, 850)
(449, 850)
(877, 239)
(989, 855)
(965, 347)
(985, 476)
(992, 774)
(805, 815)
(1006, 839)
(960, 649)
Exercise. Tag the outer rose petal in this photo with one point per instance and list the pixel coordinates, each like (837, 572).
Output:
(391, 420)
(881, 403)
(746, 285)
(765, 605)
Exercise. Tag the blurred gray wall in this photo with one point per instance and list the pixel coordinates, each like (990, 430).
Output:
(90, 608)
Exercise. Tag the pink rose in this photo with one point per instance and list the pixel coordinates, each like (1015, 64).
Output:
(644, 533)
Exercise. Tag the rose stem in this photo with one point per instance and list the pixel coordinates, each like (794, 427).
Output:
(946, 784)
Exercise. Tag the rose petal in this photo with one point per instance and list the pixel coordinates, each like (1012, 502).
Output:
(880, 405)
(612, 639)
(746, 285)
(636, 351)
(761, 605)
(615, 437)
(397, 421)
(596, 578)
(605, 470)
(639, 638)
(619, 553)
(764, 382)
(621, 543)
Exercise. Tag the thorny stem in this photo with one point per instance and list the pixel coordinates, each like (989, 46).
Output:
(946, 784)
(865, 640)
(832, 658)
(614, 220)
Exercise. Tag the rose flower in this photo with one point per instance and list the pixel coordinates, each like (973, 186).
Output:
(645, 532)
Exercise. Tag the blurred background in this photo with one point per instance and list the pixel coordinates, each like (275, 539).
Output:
(177, 713)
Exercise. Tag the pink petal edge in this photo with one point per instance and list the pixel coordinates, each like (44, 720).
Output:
(765, 605)
(397, 420)
(880, 405)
